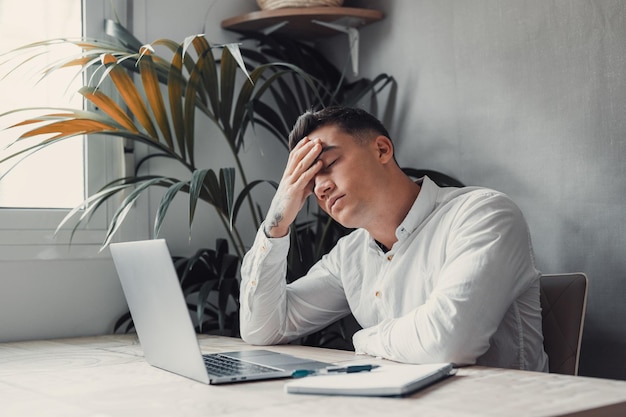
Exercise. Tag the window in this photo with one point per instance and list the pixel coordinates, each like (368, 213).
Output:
(36, 181)
(38, 193)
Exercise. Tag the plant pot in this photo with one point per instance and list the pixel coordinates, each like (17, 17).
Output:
(279, 4)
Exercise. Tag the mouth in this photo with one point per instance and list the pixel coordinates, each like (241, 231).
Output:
(332, 201)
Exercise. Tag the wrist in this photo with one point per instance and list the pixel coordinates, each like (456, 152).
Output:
(274, 231)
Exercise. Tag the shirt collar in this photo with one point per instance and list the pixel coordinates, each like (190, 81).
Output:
(422, 207)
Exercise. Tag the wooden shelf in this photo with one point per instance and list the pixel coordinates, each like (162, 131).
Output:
(300, 22)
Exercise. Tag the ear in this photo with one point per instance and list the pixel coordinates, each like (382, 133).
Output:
(384, 147)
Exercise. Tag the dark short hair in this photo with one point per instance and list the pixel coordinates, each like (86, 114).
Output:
(355, 122)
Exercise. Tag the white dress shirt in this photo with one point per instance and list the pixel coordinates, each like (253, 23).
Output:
(458, 286)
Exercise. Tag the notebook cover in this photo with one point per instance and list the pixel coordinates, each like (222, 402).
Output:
(387, 380)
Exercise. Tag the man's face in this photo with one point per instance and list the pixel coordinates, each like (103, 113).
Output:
(346, 186)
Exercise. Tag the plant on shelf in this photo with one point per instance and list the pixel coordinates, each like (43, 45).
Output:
(156, 101)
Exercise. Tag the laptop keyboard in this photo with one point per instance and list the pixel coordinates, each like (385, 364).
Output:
(221, 365)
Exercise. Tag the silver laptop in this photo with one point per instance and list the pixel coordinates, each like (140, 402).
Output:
(165, 329)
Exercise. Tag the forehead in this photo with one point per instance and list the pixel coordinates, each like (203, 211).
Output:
(332, 137)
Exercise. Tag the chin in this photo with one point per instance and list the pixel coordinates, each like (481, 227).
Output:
(341, 219)
(344, 222)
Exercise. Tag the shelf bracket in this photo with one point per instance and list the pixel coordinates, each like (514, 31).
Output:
(353, 39)
(274, 28)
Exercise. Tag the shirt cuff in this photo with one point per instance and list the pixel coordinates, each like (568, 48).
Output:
(271, 249)
(368, 341)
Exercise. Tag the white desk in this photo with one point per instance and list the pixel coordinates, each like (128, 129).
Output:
(107, 376)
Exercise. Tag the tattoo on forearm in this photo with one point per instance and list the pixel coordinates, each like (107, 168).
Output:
(275, 220)
(275, 216)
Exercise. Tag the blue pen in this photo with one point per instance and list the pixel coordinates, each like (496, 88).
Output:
(346, 369)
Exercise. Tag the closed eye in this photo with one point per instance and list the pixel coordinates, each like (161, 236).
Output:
(332, 163)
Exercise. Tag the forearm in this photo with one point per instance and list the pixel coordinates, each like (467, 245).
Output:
(263, 291)
(454, 325)
(273, 312)
(421, 338)
(264, 301)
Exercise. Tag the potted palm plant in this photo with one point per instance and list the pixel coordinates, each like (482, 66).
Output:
(156, 101)
(272, 95)
(165, 124)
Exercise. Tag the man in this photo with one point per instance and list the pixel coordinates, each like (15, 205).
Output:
(431, 274)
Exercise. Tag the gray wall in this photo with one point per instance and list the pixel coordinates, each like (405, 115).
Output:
(527, 97)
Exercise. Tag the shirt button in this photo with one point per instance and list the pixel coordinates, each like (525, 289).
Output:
(253, 283)
(389, 257)
(263, 248)
(378, 294)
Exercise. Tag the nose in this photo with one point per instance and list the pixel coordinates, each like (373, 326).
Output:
(322, 187)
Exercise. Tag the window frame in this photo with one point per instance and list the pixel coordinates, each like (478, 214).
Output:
(29, 233)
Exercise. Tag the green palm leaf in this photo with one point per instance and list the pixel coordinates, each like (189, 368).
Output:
(164, 205)
(189, 114)
(227, 184)
(88, 206)
(125, 206)
(119, 32)
(211, 82)
(244, 195)
(195, 188)
(228, 72)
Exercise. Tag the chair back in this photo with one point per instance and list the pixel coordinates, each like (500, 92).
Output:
(563, 304)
